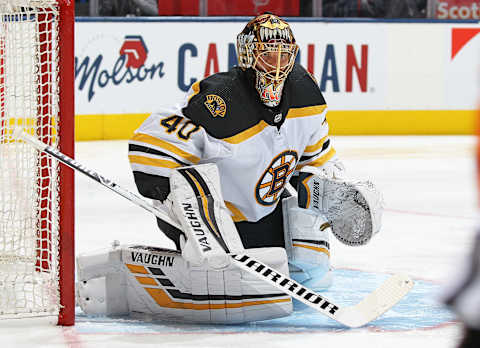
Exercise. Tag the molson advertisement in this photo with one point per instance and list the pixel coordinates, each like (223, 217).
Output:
(377, 77)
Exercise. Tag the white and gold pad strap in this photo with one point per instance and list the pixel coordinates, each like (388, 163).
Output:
(199, 206)
(353, 208)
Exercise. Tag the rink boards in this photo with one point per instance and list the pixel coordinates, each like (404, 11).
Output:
(378, 77)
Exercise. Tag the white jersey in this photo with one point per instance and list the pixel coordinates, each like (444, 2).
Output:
(256, 154)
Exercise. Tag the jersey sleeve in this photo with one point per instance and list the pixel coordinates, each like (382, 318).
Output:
(163, 143)
(319, 149)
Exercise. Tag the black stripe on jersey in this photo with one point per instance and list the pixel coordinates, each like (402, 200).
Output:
(139, 148)
(311, 241)
(188, 173)
(308, 158)
(177, 294)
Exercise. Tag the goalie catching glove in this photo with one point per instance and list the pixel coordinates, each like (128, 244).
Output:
(353, 208)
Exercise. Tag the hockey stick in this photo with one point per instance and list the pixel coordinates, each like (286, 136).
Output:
(370, 308)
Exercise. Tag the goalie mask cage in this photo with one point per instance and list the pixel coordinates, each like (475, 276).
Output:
(36, 193)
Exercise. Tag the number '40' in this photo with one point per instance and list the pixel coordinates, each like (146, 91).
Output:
(176, 123)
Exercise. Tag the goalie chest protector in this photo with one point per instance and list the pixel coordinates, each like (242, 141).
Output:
(256, 148)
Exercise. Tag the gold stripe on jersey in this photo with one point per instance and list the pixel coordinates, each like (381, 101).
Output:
(237, 214)
(317, 146)
(306, 111)
(320, 161)
(292, 113)
(246, 134)
(195, 89)
(148, 139)
(154, 162)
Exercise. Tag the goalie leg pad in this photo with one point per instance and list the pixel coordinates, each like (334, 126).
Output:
(159, 283)
(101, 288)
(307, 245)
(206, 221)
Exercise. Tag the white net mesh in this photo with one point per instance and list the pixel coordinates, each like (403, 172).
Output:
(28, 179)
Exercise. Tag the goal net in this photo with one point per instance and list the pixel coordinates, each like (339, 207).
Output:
(36, 194)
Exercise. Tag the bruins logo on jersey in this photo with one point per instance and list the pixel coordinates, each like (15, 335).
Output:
(215, 105)
(275, 177)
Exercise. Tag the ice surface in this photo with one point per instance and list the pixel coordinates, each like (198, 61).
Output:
(430, 193)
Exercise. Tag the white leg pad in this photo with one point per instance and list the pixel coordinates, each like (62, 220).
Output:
(307, 244)
(160, 283)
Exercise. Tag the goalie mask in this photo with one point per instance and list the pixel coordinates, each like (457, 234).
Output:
(267, 45)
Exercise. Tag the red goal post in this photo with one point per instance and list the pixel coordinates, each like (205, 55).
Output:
(36, 192)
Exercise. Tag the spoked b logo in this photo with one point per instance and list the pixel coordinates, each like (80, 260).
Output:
(275, 177)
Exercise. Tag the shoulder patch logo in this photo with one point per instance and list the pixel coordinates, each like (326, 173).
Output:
(216, 105)
(278, 173)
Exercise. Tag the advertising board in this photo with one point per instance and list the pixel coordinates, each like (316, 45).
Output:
(377, 77)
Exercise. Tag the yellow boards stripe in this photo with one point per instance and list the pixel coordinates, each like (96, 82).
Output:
(402, 122)
(341, 122)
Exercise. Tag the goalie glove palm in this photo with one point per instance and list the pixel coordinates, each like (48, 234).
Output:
(353, 208)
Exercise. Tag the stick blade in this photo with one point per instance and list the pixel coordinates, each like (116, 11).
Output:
(377, 303)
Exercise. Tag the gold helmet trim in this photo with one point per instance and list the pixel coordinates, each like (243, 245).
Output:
(264, 35)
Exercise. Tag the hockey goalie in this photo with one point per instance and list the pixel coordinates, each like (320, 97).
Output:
(244, 165)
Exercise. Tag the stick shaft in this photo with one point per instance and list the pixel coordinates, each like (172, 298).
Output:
(70, 162)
